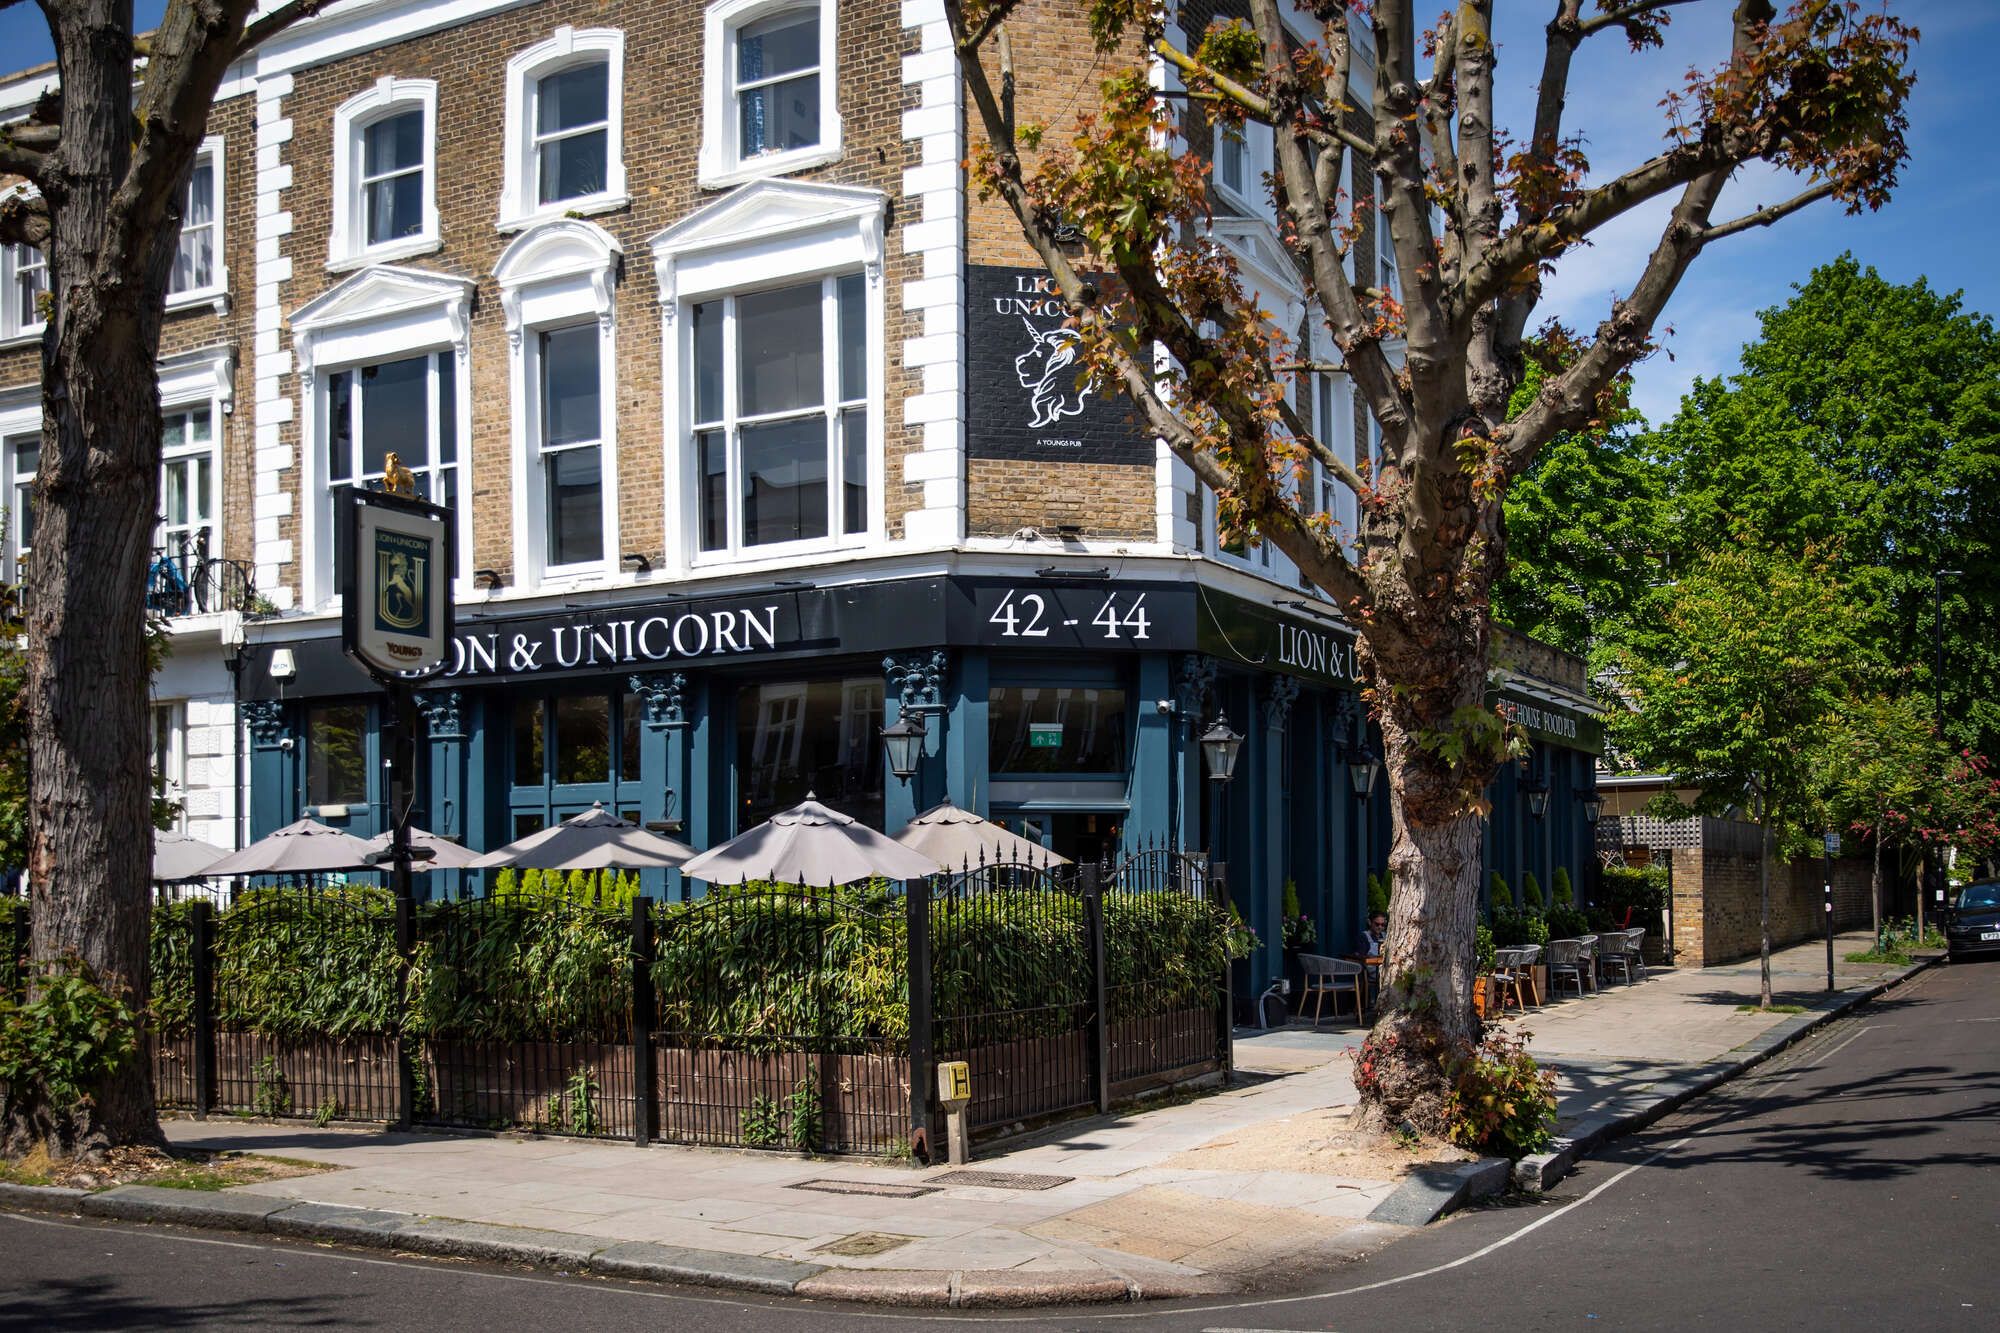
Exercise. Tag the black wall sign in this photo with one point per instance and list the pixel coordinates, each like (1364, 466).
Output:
(1023, 402)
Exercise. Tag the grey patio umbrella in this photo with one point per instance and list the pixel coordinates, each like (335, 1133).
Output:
(593, 840)
(176, 856)
(445, 854)
(809, 844)
(957, 838)
(304, 848)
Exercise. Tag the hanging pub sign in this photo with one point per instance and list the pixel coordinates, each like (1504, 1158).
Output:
(1024, 401)
(395, 585)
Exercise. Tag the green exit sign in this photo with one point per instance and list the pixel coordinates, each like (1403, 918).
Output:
(1045, 735)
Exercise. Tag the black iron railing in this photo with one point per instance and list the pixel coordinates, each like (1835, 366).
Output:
(190, 584)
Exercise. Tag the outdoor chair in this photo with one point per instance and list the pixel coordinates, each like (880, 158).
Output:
(1565, 960)
(1511, 973)
(1330, 976)
(1635, 950)
(1615, 949)
(1587, 960)
(1526, 956)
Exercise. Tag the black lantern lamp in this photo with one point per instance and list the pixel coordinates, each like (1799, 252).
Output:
(1593, 807)
(1219, 747)
(1538, 798)
(904, 740)
(1362, 770)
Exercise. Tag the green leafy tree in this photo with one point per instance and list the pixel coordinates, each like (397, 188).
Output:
(1586, 543)
(1737, 690)
(1866, 422)
(1116, 206)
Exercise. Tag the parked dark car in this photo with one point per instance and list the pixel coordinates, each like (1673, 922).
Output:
(1974, 923)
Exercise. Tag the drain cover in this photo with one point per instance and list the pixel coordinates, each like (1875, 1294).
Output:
(862, 1244)
(868, 1187)
(1000, 1180)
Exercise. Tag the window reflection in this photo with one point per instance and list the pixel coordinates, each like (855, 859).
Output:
(1056, 729)
(820, 736)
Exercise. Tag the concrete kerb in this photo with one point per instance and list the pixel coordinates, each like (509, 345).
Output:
(1428, 1193)
(1538, 1171)
(377, 1229)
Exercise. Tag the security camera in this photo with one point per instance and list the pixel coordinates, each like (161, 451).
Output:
(286, 742)
(1165, 707)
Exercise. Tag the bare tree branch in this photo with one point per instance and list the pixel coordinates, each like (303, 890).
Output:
(1399, 172)
(270, 25)
(24, 219)
(1770, 213)
(1254, 105)
(1624, 14)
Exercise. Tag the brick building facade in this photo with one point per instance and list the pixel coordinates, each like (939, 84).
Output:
(759, 437)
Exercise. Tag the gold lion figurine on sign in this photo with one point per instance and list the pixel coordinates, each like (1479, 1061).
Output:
(397, 479)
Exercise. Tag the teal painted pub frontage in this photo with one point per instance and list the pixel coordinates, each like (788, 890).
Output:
(1065, 706)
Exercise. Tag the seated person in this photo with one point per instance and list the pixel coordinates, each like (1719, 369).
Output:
(1376, 938)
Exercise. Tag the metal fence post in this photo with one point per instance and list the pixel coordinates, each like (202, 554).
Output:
(917, 936)
(406, 1069)
(643, 1099)
(1090, 881)
(201, 948)
(1225, 1008)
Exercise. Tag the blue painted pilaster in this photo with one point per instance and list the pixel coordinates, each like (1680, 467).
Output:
(914, 683)
(662, 765)
(1148, 788)
(1194, 691)
(442, 714)
(274, 767)
(968, 763)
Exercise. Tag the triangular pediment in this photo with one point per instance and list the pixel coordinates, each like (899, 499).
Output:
(764, 208)
(382, 290)
(1258, 250)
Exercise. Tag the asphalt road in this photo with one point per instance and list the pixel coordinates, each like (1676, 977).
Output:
(1849, 1184)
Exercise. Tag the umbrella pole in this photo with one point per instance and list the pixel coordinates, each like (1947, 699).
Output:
(402, 793)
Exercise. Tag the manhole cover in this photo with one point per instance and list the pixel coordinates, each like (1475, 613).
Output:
(869, 1187)
(1000, 1180)
(862, 1244)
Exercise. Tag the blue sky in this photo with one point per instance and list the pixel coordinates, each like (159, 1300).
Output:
(1937, 226)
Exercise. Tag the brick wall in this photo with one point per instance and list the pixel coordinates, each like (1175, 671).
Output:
(1716, 902)
(662, 110)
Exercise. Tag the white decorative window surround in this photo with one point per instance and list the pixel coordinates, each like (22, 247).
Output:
(20, 455)
(199, 271)
(558, 279)
(565, 131)
(770, 89)
(197, 392)
(768, 237)
(378, 317)
(24, 277)
(384, 174)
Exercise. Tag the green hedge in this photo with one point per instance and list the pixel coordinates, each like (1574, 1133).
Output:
(10, 966)
(1643, 890)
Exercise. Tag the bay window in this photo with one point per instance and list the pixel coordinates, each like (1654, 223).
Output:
(780, 414)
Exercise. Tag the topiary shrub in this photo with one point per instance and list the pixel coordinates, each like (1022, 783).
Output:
(1531, 892)
(1378, 895)
(1560, 892)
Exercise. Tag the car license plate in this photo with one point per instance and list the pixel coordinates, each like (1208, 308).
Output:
(1990, 935)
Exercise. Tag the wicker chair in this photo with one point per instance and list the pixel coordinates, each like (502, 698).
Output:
(1615, 950)
(1565, 959)
(1588, 959)
(1330, 976)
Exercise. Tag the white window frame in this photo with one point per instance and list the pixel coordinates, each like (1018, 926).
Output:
(556, 275)
(769, 234)
(721, 162)
(17, 325)
(347, 245)
(216, 290)
(176, 786)
(16, 426)
(520, 205)
(379, 314)
(1249, 197)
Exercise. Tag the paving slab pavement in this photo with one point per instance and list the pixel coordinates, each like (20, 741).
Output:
(1130, 1218)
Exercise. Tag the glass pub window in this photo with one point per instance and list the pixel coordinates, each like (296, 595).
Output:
(571, 445)
(572, 137)
(392, 177)
(1056, 729)
(574, 740)
(781, 414)
(407, 407)
(777, 83)
(819, 736)
(337, 754)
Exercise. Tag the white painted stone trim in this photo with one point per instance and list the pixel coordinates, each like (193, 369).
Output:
(274, 471)
(934, 206)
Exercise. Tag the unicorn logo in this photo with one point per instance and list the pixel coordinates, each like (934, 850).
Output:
(1047, 370)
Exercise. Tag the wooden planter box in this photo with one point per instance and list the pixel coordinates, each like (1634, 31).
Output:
(1481, 1004)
